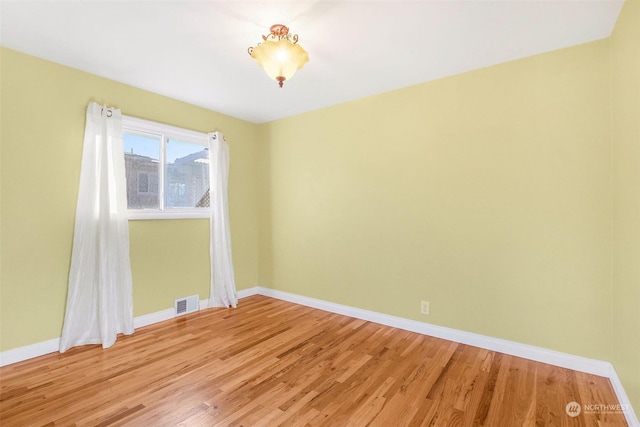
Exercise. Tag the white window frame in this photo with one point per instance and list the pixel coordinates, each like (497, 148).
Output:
(165, 133)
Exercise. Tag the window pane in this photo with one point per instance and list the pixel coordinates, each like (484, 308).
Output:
(187, 175)
(142, 162)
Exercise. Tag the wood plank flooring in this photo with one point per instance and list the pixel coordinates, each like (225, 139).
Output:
(271, 362)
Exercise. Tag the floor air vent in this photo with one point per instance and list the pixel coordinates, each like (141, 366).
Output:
(186, 305)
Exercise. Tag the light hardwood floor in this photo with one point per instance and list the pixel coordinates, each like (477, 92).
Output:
(271, 362)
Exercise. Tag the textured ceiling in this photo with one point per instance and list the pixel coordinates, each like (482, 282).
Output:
(196, 51)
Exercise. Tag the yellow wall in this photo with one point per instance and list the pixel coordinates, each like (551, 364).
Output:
(487, 194)
(625, 44)
(507, 197)
(42, 125)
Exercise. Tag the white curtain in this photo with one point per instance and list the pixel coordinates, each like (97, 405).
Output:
(223, 286)
(100, 300)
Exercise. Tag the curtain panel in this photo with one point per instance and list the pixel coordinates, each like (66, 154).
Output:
(99, 300)
(223, 287)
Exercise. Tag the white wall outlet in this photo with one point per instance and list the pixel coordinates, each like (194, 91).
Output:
(424, 307)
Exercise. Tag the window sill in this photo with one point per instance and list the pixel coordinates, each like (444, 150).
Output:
(144, 215)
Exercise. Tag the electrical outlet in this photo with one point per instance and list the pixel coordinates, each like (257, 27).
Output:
(424, 307)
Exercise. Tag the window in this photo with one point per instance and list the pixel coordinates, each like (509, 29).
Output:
(167, 170)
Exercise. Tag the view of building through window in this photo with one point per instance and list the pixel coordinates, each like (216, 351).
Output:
(185, 174)
(142, 163)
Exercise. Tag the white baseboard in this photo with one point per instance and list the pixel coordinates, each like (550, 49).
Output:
(243, 293)
(632, 418)
(538, 354)
(526, 351)
(27, 352)
(151, 318)
(19, 354)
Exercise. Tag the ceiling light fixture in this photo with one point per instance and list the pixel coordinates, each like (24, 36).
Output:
(279, 55)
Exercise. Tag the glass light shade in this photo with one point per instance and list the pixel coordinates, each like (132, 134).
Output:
(280, 58)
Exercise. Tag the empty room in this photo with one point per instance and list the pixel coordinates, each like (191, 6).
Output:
(337, 213)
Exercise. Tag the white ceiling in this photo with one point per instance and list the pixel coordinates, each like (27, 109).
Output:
(196, 51)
